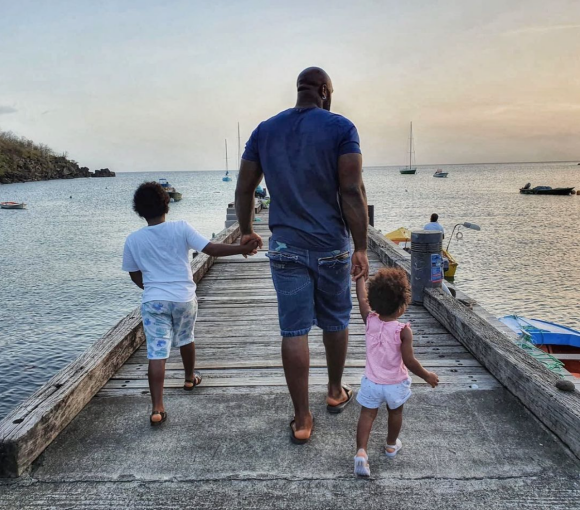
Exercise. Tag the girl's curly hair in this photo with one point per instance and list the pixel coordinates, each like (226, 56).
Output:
(388, 290)
(150, 200)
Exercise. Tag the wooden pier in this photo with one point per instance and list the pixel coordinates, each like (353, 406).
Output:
(506, 439)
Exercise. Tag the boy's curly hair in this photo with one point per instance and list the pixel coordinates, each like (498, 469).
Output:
(150, 200)
(388, 290)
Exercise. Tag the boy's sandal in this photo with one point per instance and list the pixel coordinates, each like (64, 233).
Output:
(163, 418)
(395, 447)
(297, 440)
(339, 408)
(196, 381)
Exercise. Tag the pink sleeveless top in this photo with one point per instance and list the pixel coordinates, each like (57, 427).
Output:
(384, 359)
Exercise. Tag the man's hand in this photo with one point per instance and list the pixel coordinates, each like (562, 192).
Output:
(247, 238)
(249, 248)
(360, 265)
(253, 239)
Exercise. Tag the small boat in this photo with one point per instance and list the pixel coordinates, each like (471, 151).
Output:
(545, 190)
(227, 178)
(171, 191)
(402, 237)
(12, 205)
(410, 170)
(559, 341)
(440, 173)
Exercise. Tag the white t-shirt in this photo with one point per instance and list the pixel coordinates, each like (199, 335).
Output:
(161, 253)
(434, 225)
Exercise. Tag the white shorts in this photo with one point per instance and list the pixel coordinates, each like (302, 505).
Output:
(372, 395)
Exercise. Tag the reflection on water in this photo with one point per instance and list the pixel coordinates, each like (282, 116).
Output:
(62, 286)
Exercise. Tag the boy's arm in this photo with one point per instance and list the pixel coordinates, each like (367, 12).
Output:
(223, 250)
(361, 295)
(137, 278)
(411, 362)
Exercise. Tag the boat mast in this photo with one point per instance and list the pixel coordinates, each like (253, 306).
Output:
(227, 170)
(411, 146)
(239, 150)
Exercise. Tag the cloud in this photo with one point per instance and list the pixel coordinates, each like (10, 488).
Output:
(541, 29)
(7, 109)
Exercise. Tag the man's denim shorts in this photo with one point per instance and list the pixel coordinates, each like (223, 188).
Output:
(313, 287)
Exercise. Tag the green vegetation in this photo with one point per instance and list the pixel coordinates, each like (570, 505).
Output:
(23, 160)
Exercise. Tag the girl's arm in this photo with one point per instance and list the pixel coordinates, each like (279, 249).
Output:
(411, 362)
(361, 295)
(223, 250)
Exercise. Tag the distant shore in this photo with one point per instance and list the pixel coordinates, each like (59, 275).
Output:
(22, 160)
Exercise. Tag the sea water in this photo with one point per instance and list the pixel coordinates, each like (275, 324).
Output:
(62, 288)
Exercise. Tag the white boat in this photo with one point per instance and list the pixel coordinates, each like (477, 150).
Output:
(440, 173)
(227, 178)
(12, 205)
(410, 170)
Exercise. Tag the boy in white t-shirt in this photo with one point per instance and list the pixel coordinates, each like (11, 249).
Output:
(157, 259)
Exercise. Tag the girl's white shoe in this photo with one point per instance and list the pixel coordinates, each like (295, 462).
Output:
(361, 464)
(391, 450)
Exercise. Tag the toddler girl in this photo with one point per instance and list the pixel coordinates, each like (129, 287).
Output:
(389, 345)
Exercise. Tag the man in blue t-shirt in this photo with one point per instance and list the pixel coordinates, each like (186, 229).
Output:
(312, 163)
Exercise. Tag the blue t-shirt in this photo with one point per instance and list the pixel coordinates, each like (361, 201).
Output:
(298, 151)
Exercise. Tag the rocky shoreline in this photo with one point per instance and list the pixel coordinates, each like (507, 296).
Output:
(57, 167)
(22, 160)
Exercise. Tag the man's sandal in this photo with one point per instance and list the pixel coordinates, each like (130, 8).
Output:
(196, 381)
(297, 440)
(339, 408)
(163, 418)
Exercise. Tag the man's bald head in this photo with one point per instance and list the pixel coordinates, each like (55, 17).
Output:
(314, 85)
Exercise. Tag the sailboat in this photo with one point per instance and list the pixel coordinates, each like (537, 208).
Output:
(227, 178)
(410, 169)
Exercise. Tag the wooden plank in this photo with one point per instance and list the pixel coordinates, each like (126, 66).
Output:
(140, 369)
(248, 379)
(33, 425)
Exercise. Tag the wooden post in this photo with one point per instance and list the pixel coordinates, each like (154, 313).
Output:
(371, 209)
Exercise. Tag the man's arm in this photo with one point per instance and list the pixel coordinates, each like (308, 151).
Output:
(137, 278)
(354, 206)
(248, 179)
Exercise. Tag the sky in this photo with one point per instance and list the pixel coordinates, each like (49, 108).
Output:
(157, 86)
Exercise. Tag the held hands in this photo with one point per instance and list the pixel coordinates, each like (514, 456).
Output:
(360, 265)
(250, 244)
(432, 379)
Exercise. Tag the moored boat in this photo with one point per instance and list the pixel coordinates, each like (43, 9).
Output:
(410, 170)
(545, 190)
(12, 205)
(171, 191)
(440, 173)
(559, 341)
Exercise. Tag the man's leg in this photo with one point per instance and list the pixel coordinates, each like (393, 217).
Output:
(336, 345)
(296, 361)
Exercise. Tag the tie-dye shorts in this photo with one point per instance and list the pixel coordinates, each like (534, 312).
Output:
(166, 324)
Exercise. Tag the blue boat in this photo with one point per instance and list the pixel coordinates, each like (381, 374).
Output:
(543, 332)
